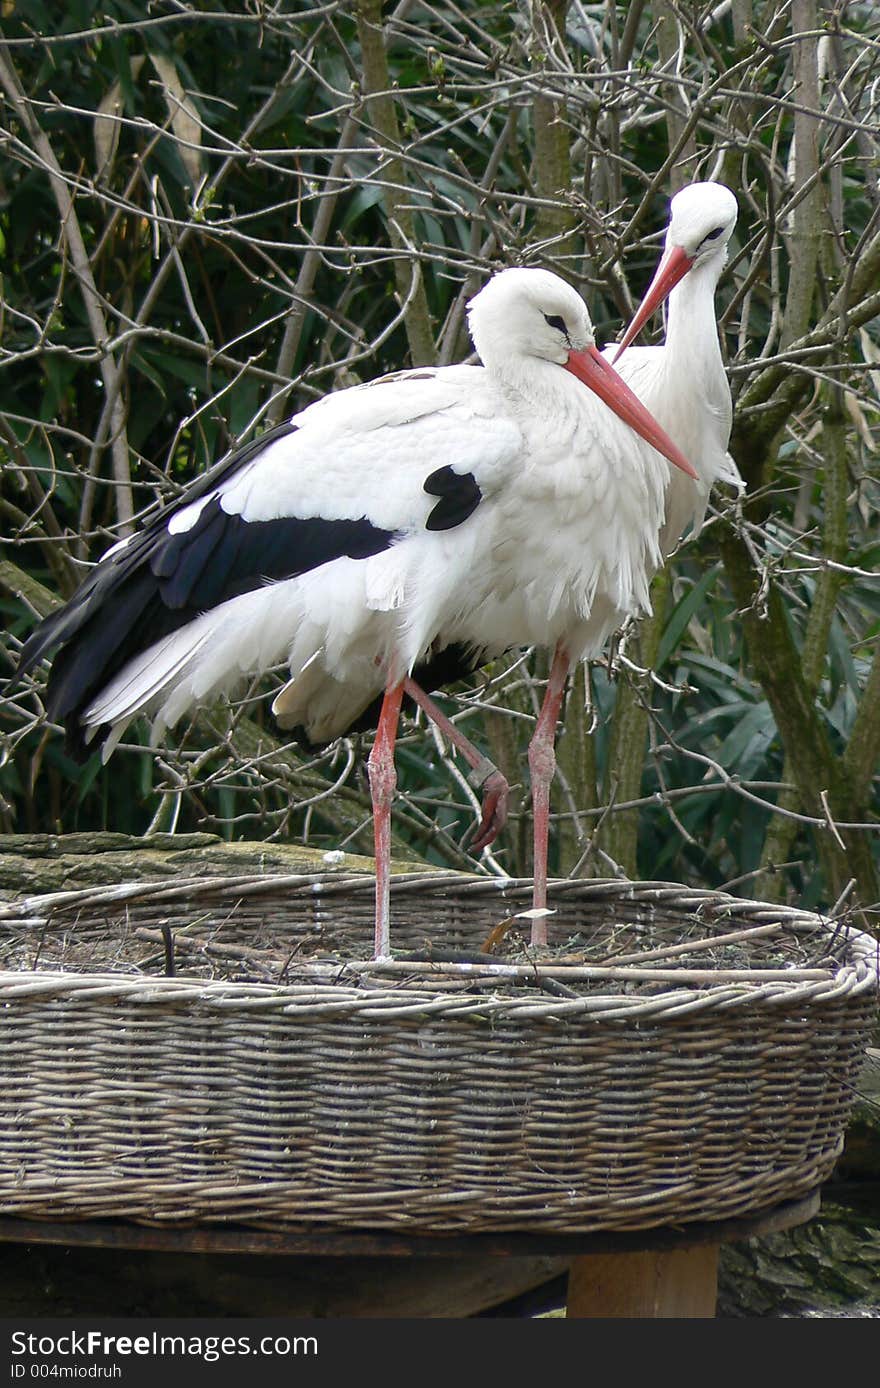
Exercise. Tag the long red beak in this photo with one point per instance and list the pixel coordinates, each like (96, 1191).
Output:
(674, 265)
(592, 368)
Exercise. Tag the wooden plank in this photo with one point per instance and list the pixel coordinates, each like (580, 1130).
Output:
(47, 1280)
(654, 1284)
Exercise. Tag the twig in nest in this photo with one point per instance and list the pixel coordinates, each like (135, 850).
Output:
(168, 940)
(706, 942)
(552, 985)
(433, 955)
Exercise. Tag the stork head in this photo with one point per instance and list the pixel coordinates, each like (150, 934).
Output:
(528, 313)
(530, 316)
(702, 217)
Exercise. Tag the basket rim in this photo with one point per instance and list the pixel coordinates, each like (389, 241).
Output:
(331, 881)
(365, 988)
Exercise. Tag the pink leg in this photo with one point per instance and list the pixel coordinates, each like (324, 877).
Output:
(485, 776)
(383, 780)
(542, 764)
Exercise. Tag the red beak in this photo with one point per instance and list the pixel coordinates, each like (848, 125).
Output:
(592, 368)
(674, 265)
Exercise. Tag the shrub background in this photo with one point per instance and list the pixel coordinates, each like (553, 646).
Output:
(210, 214)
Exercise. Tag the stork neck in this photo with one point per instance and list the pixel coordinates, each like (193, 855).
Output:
(533, 385)
(691, 327)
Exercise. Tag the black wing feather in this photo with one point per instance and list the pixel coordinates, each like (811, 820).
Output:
(62, 625)
(160, 581)
(459, 495)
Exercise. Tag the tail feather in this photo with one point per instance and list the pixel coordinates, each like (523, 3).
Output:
(144, 680)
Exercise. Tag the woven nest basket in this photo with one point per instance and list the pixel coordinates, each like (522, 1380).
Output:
(675, 1055)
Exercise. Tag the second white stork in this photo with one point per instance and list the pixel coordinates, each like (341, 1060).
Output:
(683, 382)
(389, 538)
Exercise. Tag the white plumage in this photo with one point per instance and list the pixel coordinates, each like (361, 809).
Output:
(501, 580)
(683, 382)
(401, 530)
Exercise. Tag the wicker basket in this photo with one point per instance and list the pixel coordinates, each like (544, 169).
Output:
(679, 1055)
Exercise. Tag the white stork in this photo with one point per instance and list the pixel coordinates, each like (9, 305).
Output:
(683, 382)
(387, 539)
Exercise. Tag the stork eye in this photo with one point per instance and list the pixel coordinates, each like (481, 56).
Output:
(553, 320)
(713, 235)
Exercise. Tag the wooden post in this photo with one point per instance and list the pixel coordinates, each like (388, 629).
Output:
(675, 1282)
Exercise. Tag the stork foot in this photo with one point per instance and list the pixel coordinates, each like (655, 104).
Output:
(495, 790)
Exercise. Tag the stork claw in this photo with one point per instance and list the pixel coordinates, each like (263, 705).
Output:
(495, 790)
